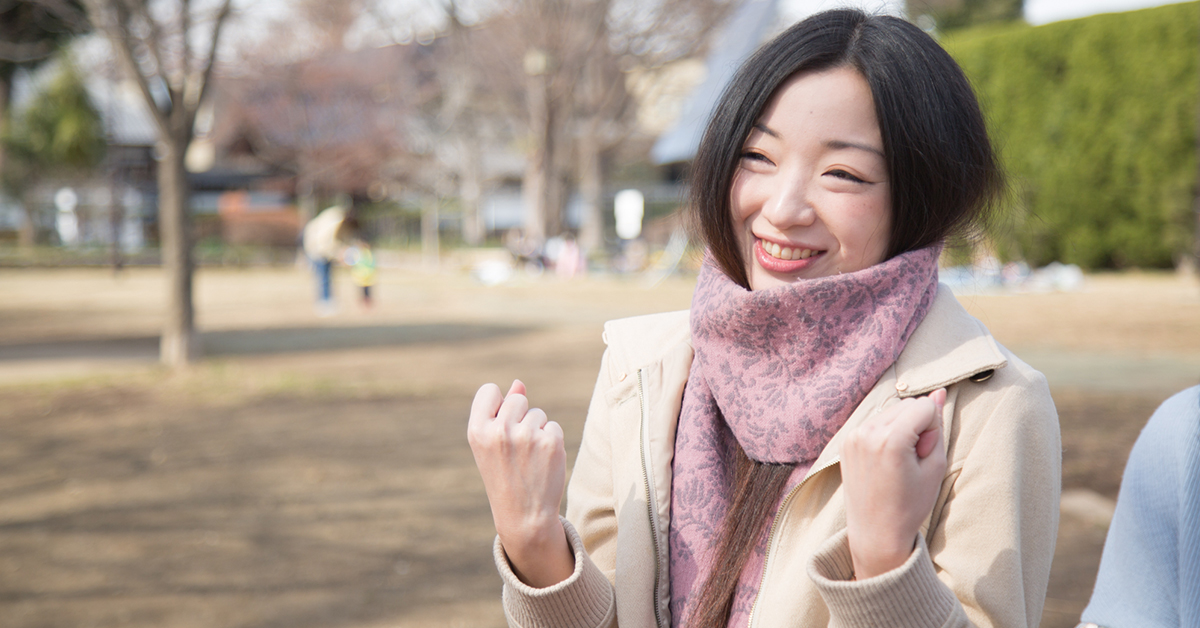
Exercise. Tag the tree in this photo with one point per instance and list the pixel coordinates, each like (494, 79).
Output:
(457, 113)
(60, 132)
(951, 15)
(169, 49)
(569, 61)
(31, 31)
(648, 39)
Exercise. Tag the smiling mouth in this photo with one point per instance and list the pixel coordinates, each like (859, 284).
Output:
(786, 253)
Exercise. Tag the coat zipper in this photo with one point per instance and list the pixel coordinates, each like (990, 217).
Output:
(774, 527)
(651, 507)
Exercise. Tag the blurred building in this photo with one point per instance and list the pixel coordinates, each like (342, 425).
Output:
(287, 138)
(115, 202)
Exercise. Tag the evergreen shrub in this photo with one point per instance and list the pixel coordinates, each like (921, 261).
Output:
(1095, 122)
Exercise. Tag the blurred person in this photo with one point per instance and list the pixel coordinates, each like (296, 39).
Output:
(361, 261)
(826, 438)
(323, 239)
(1150, 570)
(526, 251)
(570, 260)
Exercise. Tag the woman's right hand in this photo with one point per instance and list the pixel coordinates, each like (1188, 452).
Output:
(893, 465)
(523, 463)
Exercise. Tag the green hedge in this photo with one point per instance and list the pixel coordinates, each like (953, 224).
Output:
(1095, 121)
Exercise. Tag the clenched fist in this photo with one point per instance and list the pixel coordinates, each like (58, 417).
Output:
(892, 467)
(521, 457)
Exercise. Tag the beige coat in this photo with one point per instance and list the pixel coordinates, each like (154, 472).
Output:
(985, 551)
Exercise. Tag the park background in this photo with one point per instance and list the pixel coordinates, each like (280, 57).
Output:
(184, 441)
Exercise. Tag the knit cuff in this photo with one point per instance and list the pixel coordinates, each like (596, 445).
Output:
(583, 600)
(909, 595)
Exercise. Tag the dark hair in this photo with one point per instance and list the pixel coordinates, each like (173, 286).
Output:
(941, 168)
(943, 175)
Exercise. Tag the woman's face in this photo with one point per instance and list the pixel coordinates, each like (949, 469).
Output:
(811, 196)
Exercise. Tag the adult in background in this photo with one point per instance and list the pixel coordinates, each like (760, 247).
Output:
(323, 239)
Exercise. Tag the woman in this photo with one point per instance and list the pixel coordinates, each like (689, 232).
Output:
(1150, 571)
(826, 438)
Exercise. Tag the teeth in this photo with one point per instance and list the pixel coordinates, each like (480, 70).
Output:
(785, 253)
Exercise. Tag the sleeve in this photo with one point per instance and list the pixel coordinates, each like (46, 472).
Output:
(586, 599)
(1148, 558)
(985, 560)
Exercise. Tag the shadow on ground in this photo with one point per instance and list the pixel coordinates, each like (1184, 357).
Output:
(263, 341)
(283, 512)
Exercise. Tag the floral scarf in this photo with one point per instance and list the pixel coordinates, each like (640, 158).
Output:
(777, 371)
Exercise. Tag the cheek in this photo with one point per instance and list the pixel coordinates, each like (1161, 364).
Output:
(878, 234)
(883, 222)
(865, 231)
(740, 199)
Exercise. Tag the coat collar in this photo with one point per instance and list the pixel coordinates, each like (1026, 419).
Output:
(947, 347)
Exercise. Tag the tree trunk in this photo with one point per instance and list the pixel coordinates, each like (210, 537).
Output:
(474, 231)
(180, 345)
(430, 247)
(533, 195)
(27, 232)
(591, 189)
(556, 198)
(539, 172)
(116, 215)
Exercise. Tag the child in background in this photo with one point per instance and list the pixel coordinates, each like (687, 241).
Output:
(361, 261)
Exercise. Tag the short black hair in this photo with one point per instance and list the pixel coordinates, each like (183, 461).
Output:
(942, 169)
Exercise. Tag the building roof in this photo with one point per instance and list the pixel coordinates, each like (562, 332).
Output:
(740, 38)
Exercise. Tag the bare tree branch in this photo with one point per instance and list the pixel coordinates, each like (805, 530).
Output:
(110, 19)
(155, 42)
(185, 26)
(210, 60)
(67, 13)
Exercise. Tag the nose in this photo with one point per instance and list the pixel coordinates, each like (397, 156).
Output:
(789, 203)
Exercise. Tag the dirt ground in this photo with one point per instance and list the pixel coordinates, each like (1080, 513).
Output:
(313, 472)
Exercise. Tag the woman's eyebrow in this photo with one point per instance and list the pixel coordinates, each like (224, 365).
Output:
(766, 129)
(840, 144)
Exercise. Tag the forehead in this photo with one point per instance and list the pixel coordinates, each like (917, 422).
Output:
(834, 104)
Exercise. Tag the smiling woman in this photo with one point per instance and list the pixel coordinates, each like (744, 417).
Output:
(826, 438)
(812, 188)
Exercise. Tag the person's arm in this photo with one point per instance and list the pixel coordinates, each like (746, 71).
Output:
(584, 596)
(1150, 569)
(892, 466)
(521, 457)
(986, 559)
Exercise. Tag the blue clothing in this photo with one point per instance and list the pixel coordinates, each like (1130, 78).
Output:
(323, 268)
(1150, 570)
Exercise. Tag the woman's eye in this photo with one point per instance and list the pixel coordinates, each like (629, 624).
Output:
(755, 156)
(842, 174)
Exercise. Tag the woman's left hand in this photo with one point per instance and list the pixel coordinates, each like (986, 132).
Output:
(892, 467)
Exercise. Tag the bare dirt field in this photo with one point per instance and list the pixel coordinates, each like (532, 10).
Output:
(313, 472)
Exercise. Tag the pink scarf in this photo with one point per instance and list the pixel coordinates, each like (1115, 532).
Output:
(778, 371)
